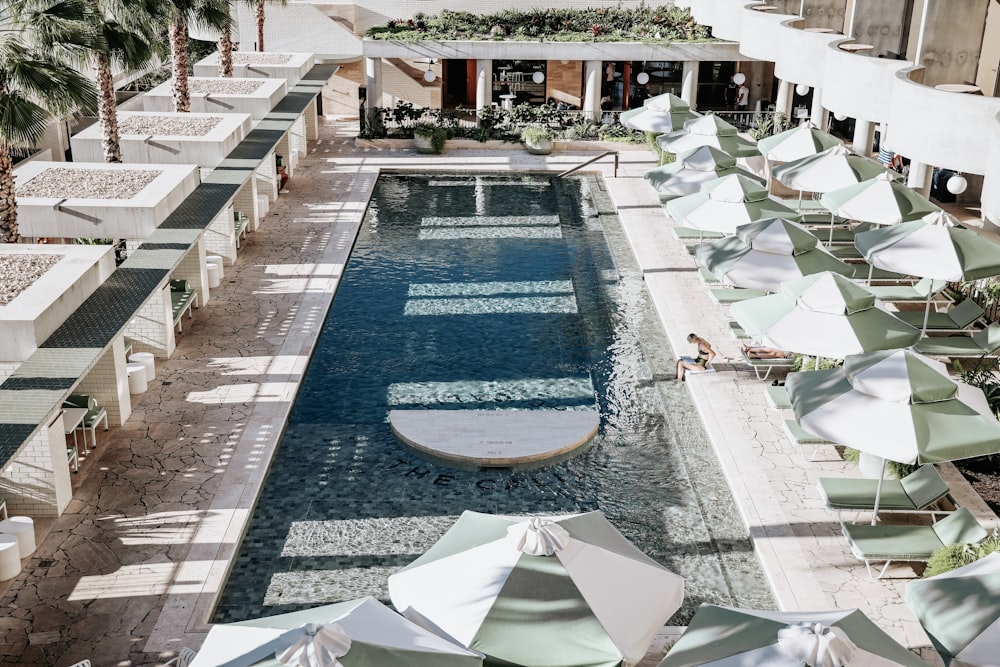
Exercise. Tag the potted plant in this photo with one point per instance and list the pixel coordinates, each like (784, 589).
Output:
(538, 139)
(429, 138)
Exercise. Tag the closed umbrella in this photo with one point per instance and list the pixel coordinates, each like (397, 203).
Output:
(660, 114)
(551, 592)
(882, 200)
(763, 254)
(960, 611)
(691, 170)
(359, 633)
(935, 247)
(712, 131)
(729, 637)
(796, 143)
(725, 204)
(825, 315)
(897, 405)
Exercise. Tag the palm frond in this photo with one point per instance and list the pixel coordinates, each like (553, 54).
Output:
(22, 122)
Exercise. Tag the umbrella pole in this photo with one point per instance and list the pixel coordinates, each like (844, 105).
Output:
(816, 367)
(878, 494)
(871, 269)
(927, 312)
(830, 242)
(800, 201)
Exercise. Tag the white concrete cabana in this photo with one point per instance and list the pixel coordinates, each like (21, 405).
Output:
(179, 138)
(218, 95)
(37, 480)
(256, 64)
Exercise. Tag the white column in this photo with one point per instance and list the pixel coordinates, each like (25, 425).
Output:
(864, 136)
(919, 178)
(689, 83)
(373, 81)
(484, 84)
(818, 115)
(783, 102)
(592, 88)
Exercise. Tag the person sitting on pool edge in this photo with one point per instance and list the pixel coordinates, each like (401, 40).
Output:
(758, 352)
(700, 362)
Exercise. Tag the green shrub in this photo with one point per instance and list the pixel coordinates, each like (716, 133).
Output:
(804, 362)
(955, 556)
(537, 133)
(896, 470)
(437, 135)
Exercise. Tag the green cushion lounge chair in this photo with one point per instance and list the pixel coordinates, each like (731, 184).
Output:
(803, 438)
(96, 414)
(763, 367)
(917, 292)
(962, 316)
(708, 277)
(891, 543)
(692, 235)
(182, 298)
(918, 492)
(728, 295)
(777, 397)
(983, 343)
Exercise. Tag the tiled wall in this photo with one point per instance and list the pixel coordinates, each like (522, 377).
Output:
(246, 201)
(37, 482)
(219, 239)
(311, 122)
(152, 330)
(6, 368)
(193, 267)
(107, 382)
(265, 174)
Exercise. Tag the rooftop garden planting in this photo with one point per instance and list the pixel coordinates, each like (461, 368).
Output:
(604, 24)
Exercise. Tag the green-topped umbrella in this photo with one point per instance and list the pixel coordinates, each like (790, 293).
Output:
(796, 143)
(725, 204)
(935, 246)
(765, 253)
(832, 169)
(897, 405)
(540, 592)
(711, 131)
(359, 633)
(825, 315)
(960, 611)
(728, 637)
(693, 169)
(660, 114)
(882, 200)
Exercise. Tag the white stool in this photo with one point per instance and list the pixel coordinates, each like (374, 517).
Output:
(263, 204)
(214, 265)
(23, 529)
(10, 557)
(136, 377)
(146, 359)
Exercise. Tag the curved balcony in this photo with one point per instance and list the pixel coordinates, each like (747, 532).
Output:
(991, 184)
(761, 33)
(858, 86)
(941, 128)
(727, 19)
(801, 54)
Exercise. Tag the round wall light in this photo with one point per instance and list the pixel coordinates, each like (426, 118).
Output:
(642, 78)
(957, 184)
(429, 76)
(840, 116)
(739, 78)
(802, 89)
(538, 77)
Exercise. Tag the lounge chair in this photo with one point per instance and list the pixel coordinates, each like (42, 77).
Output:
(918, 492)
(863, 271)
(184, 658)
(691, 235)
(95, 415)
(730, 295)
(892, 543)
(983, 343)
(763, 367)
(738, 332)
(777, 397)
(803, 438)
(240, 226)
(708, 277)
(182, 298)
(916, 292)
(961, 317)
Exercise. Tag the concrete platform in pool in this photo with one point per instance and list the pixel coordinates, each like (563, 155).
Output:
(495, 438)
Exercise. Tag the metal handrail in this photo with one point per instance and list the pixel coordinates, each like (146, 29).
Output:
(591, 161)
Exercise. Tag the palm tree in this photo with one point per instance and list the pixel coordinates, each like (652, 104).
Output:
(36, 85)
(225, 44)
(258, 6)
(213, 14)
(127, 40)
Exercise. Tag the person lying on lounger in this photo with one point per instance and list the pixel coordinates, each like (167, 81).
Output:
(758, 352)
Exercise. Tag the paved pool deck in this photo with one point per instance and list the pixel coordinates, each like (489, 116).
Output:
(129, 573)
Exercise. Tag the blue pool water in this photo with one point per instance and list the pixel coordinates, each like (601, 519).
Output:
(473, 292)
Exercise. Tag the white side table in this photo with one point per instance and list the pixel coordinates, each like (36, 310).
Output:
(136, 377)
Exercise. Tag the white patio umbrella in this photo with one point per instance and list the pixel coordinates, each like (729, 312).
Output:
(936, 247)
(897, 405)
(661, 114)
(359, 633)
(960, 611)
(725, 204)
(834, 168)
(728, 637)
(539, 592)
(823, 315)
(882, 200)
(711, 130)
(796, 143)
(691, 170)
(763, 254)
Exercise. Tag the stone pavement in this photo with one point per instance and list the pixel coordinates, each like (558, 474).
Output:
(129, 573)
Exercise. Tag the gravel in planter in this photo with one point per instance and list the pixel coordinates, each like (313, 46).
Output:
(180, 125)
(18, 272)
(82, 183)
(252, 58)
(223, 86)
